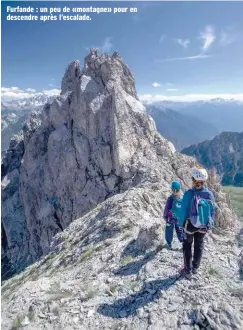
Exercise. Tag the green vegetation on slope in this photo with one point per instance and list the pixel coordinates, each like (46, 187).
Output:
(236, 198)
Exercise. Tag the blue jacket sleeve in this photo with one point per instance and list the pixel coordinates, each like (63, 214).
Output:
(166, 209)
(184, 208)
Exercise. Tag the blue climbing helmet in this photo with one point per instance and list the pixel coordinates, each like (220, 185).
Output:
(176, 185)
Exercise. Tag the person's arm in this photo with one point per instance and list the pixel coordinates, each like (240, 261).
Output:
(184, 208)
(166, 209)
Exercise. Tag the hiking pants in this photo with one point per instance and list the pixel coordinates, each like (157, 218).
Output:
(187, 249)
(169, 232)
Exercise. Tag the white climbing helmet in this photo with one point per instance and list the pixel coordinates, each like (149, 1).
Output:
(199, 173)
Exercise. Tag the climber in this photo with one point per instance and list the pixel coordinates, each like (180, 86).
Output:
(171, 214)
(196, 219)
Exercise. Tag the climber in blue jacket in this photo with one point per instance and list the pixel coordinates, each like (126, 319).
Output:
(171, 214)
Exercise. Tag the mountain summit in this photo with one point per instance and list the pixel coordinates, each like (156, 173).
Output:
(83, 191)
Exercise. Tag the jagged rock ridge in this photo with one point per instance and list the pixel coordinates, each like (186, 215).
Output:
(93, 141)
(109, 270)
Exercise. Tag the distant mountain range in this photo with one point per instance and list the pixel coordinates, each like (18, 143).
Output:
(28, 103)
(225, 153)
(182, 130)
(224, 115)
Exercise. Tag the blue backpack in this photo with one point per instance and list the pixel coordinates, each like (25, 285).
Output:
(176, 207)
(202, 209)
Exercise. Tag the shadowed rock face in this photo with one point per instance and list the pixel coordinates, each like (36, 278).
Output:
(92, 142)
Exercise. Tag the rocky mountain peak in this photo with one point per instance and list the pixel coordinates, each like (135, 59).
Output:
(109, 71)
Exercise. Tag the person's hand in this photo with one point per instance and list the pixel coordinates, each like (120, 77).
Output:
(170, 214)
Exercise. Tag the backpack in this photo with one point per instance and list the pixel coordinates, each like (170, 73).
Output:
(202, 208)
(176, 208)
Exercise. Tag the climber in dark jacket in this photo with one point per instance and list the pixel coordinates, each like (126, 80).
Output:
(196, 218)
(171, 214)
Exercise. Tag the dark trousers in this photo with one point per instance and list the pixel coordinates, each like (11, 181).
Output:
(169, 233)
(187, 248)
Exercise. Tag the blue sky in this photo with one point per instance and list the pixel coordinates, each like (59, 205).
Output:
(173, 48)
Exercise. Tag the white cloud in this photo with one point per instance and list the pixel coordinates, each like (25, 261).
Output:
(183, 42)
(30, 90)
(155, 84)
(208, 37)
(162, 38)
(195, 57)
(15, 89)
(9, 93)
(15, 93)
(172, 89)
(104, 48)
(11, 89)
(107, 45)
(51, 92)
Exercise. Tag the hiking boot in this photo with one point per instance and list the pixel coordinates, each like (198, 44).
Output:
(188, 276)
(159, 248)
(194, 270)
(169, 247)
(182, 270)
